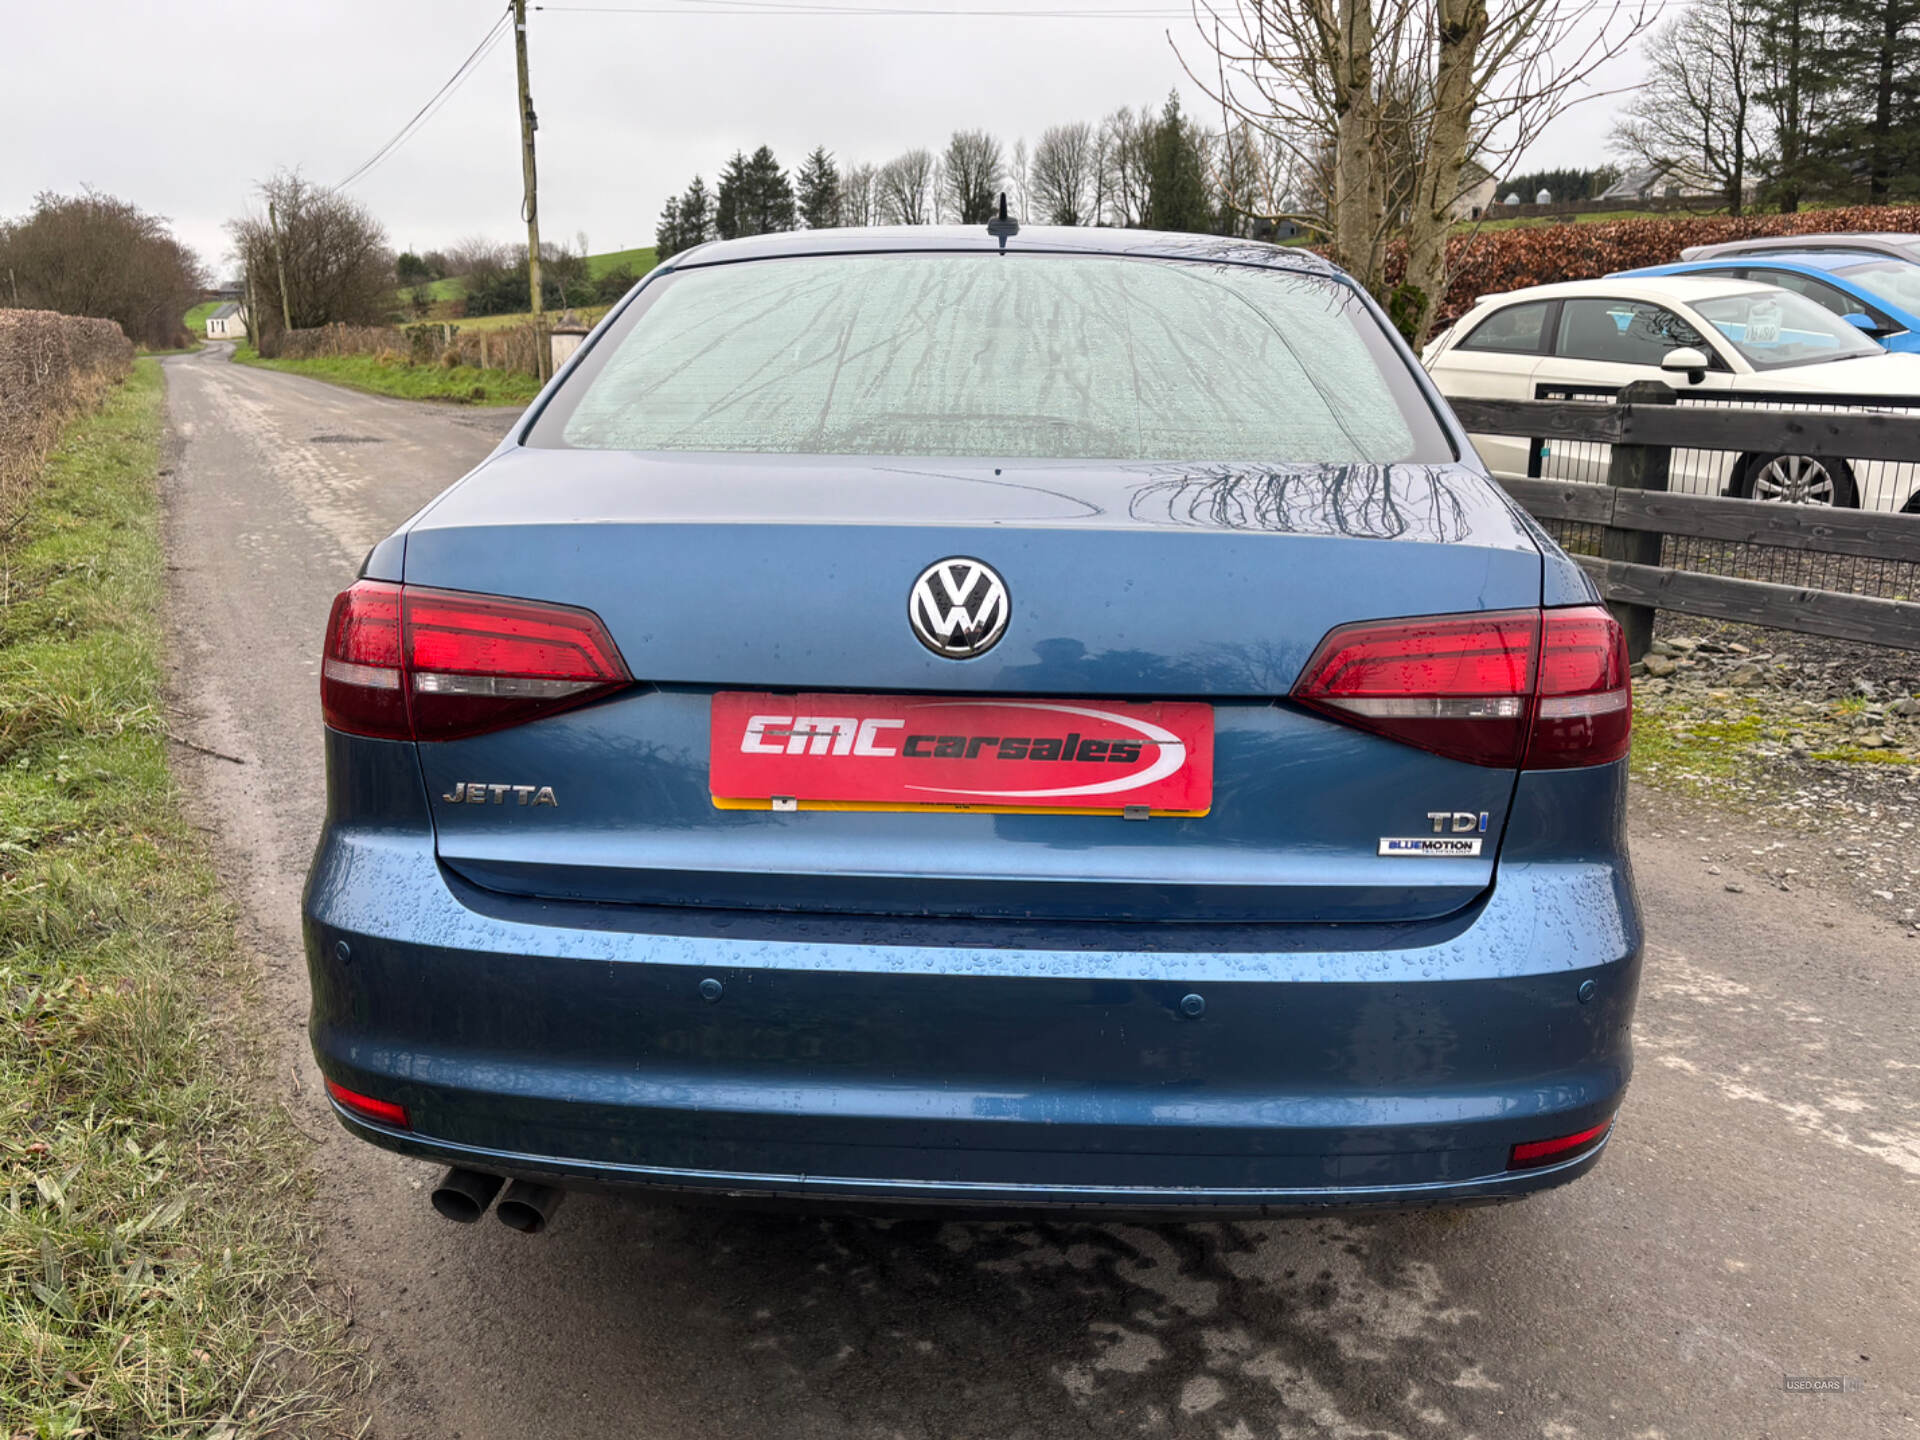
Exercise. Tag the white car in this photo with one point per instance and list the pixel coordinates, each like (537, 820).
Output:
(1705, 336)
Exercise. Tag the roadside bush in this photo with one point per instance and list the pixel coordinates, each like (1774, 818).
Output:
(51, 366)
(90, 254)
(1490, 262)
(340, 340)
(614, 284)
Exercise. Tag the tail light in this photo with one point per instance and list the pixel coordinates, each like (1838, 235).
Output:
(1535, 1153)
(1585, 714)
(365, 1107)
(407, 663)
(1539, 689)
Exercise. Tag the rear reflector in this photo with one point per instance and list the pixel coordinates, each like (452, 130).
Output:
(365, 1107)
(1564, 1147)
(1543, 689)
(408, 663)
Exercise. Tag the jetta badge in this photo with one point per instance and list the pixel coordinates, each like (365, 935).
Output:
(959, 607)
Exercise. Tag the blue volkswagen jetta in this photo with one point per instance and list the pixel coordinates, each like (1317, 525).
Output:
(1053, 718)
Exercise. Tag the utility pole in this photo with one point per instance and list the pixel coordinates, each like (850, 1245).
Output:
(530, 203)
(280, 265)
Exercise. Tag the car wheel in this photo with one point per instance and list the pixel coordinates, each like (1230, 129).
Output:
(1797, 480)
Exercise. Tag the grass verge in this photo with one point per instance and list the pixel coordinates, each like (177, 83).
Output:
(196, 318)
(378, 376)
(154, 1271)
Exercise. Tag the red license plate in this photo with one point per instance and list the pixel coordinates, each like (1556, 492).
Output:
(892, 752)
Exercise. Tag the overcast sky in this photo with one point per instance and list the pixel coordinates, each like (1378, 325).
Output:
(181, 105)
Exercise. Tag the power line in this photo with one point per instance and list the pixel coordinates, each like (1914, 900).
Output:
(705, 8)
(439, 98)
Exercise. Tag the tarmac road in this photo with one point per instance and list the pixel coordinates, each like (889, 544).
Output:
(1757, 1215)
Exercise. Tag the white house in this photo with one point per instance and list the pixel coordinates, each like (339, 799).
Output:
(229, 322)
(1477, 191)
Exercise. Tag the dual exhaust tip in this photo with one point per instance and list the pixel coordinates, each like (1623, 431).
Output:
(464, 1195)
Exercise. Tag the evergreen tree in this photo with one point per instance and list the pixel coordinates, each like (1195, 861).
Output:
(1799, 60)
(732, 200)
(755, 197)
(772, 206)
(1178, 196)
(819, 187)
(696, 215)
(666, 231)
(1873, 146)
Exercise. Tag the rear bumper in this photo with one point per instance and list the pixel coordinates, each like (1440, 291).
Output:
(975, 1066)
(1139, 1199)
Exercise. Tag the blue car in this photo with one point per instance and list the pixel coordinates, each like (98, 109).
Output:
(1881, 290)
(1049, 718)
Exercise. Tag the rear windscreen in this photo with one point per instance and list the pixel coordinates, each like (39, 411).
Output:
(1017, 356)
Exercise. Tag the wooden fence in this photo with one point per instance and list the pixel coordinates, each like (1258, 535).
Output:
(1636, 512)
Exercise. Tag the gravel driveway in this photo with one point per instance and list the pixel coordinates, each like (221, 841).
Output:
(1756, 1217)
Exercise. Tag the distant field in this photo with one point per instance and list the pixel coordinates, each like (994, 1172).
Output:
(585, 314)
(196, 318)
(639, 261)
(1597, 217)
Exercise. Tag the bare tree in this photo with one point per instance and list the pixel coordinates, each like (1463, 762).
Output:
(1125, 144)
(331, 250)
(975, 172)
(1020, 178)
(1697, 113)
(1379, 105)
(1065, 175)
(93, 255)
(904, 189)
(860, 196)
(464, 256)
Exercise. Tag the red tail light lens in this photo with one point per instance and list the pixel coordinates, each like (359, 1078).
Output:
(407, 663)
(365, 1107)
(362, 683)
(1544, 689)
(1459, 685)
(1562, 1147)
(1585, 716)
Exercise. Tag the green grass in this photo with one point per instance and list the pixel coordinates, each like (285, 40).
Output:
(639, 261)
(154, 1270)
(1597, 217)
(586, 314)
(1861, 755)
(196, 318)
(1710, 748)
(379, 376)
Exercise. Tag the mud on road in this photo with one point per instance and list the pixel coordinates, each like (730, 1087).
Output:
(1757, 1215)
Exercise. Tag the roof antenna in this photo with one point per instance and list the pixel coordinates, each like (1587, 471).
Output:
(1003, 224)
